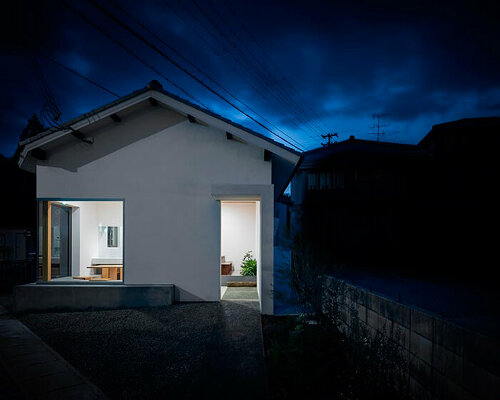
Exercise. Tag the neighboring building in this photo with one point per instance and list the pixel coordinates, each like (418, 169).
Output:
(133, 193)
(352, 198)
(463, 170)
(468, 138)
(412, 208)
(17, 224)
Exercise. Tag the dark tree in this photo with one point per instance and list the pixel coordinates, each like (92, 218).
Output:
(33, 127)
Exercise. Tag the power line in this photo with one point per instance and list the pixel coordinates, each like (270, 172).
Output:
(143, 26)
(273, 80)
(42, 82)
(266, 55)
(79, 74)
(235, 58)
(86, 78)
(137, 35)
(134, 55)
(255, 70)
(50, 113)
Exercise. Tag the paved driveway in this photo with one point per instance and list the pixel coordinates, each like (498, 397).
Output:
(190, 350)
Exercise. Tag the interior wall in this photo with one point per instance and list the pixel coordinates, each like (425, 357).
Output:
(87, 245)
(238, 232)
(109, 213)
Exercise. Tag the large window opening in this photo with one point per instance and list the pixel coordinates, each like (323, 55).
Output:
(80, 241)
(240, 249)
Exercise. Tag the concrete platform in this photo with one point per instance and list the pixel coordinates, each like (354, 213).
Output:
(80, 297)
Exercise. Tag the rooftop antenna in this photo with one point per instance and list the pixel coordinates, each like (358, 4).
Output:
(377, 126)
(329, 136)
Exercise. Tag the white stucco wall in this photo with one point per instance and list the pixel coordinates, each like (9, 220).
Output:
(238, 232)
(164, 168)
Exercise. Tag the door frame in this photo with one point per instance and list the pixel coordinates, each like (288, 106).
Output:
(265, 272)
(70, 237)
(258, 224)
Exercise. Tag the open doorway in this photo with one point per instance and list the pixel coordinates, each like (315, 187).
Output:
(80, 241)
(240, 249)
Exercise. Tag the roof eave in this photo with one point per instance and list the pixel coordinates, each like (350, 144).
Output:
(223, 124)
(81, 122)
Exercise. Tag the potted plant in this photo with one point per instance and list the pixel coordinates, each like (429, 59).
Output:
(249, 265)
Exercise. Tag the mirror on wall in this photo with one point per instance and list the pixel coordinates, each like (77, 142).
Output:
(112, 236)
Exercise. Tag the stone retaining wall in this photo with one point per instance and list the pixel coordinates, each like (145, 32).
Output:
(444, 360)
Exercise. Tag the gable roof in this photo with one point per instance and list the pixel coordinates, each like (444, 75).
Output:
(155, 92)
(483, 127)
(316, 157)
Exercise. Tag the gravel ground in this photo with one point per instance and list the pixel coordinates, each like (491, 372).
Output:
(191, 350)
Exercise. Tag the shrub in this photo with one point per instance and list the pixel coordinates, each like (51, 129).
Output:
(348, 360)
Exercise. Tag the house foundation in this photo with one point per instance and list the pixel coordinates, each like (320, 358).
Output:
(88, 296)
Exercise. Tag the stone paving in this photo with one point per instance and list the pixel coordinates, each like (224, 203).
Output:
(241, 293)
(32, 370)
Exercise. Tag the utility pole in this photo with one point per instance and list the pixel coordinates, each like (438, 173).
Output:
(329, 136)
(378, 125)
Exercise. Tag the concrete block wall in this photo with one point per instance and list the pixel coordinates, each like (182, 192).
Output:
(444, 361)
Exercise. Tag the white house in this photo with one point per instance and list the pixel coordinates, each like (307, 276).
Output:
(146, 192)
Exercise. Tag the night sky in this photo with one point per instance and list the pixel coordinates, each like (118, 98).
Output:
(307, 67)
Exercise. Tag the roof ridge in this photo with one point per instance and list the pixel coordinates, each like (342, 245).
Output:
(153, 86)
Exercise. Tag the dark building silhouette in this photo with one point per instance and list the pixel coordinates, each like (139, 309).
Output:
(418, 209)
(352, 197)
(17, 224)
(462, 173)
(18, 216)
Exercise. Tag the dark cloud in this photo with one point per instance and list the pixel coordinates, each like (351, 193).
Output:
(306, 67)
